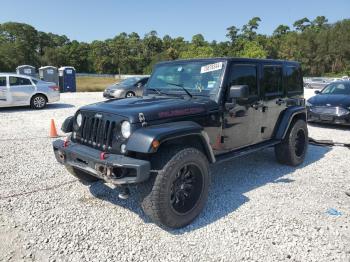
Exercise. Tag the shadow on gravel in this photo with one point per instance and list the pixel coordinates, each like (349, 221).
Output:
(17, 109)
(230, 181)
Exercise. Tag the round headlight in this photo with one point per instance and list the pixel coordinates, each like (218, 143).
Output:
(79, 119)
(126, 129)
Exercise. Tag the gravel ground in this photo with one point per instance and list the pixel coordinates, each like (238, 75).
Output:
(258, 210)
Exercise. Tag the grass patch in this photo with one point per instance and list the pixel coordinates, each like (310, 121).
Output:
(94, 84)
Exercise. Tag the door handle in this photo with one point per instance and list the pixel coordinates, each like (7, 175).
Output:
(280, 101)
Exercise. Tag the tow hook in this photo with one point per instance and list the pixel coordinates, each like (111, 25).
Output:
(124, 192)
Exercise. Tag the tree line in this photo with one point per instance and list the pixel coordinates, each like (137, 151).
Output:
(321, 47)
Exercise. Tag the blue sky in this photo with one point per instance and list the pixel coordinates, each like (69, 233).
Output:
(98, 20)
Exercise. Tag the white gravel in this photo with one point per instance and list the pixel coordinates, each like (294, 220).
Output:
(258, 210)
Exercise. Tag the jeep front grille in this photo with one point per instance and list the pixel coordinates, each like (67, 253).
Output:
(97, 132)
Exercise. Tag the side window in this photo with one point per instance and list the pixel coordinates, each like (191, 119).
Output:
(2, 80)
(19, 81)
(245, 75)
(293, 82)
(272, 81)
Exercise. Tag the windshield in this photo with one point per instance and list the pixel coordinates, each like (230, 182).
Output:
(129, 81)
(197, 77)
(337, 89)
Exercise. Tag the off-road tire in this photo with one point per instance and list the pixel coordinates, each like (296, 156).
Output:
(158, 206)
(292, 150)
(83, 177)
(38, 102)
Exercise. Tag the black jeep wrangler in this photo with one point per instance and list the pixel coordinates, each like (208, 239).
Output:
(193, 113)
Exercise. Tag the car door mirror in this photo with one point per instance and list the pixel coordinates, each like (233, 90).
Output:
(239, 92)
(139, 84)
(317, 92)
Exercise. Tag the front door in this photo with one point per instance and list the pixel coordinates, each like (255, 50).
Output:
(3, 91)
(242, 120)
(21, 89)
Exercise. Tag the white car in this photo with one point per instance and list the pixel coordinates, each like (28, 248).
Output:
(22, 90)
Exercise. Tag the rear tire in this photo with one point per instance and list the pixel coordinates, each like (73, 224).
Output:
(180, 190)
(38, 102)
(83, 177)
(292, 150)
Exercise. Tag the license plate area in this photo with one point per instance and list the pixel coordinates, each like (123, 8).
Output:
(326, 118)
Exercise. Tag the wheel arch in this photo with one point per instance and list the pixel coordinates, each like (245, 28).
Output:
(289, 116)
(39, 93)
(186, 133)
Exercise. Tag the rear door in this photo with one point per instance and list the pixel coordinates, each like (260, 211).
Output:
(3, 91)
(243, 121)
(21, 89)
(274, 97)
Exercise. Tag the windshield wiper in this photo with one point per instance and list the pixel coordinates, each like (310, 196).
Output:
(187, 92)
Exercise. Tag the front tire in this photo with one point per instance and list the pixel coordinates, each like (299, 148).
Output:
(38, 102)
(129, 94)
(180, 190)
(292, 150)
(83, 177)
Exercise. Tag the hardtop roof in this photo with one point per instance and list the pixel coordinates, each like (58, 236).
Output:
(231, 59)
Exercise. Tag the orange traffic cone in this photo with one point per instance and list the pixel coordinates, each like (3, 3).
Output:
(53, 131)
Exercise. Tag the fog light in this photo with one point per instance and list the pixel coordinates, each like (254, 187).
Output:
(123, 148)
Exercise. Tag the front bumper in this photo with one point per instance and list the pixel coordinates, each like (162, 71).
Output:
(114, 94)
(328, 118)
(107, 95)
(115, 169)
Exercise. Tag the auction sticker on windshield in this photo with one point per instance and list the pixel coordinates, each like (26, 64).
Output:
(211, 67)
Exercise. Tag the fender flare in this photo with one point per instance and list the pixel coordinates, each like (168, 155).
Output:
(141, 140)
(286, 119)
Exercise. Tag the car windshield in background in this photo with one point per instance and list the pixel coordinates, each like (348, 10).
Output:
(198, 78)
(337, 89)
(129, 81)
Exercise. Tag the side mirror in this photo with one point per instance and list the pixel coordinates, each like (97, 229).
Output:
(139, 84)
(239, 92)
(317, 92)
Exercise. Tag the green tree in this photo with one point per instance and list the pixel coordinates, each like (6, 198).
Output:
(281, 30)
(249, 30)
(302, 24)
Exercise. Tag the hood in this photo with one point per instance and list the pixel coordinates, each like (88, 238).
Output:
(154, 107)
(330, 100)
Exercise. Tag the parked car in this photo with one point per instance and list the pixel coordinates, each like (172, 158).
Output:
(331, 105)
(129, 87)
(193, 113)
(22, 90)
(316, 83)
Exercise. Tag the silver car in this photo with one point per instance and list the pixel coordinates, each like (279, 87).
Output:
(129, 87)
(22, 90)
(316, 83)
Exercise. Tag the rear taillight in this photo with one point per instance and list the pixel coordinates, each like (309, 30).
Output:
(54, 88)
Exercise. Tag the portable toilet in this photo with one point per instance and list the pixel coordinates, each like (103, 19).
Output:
(49, 74)
(67, 81)
(26, 70)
